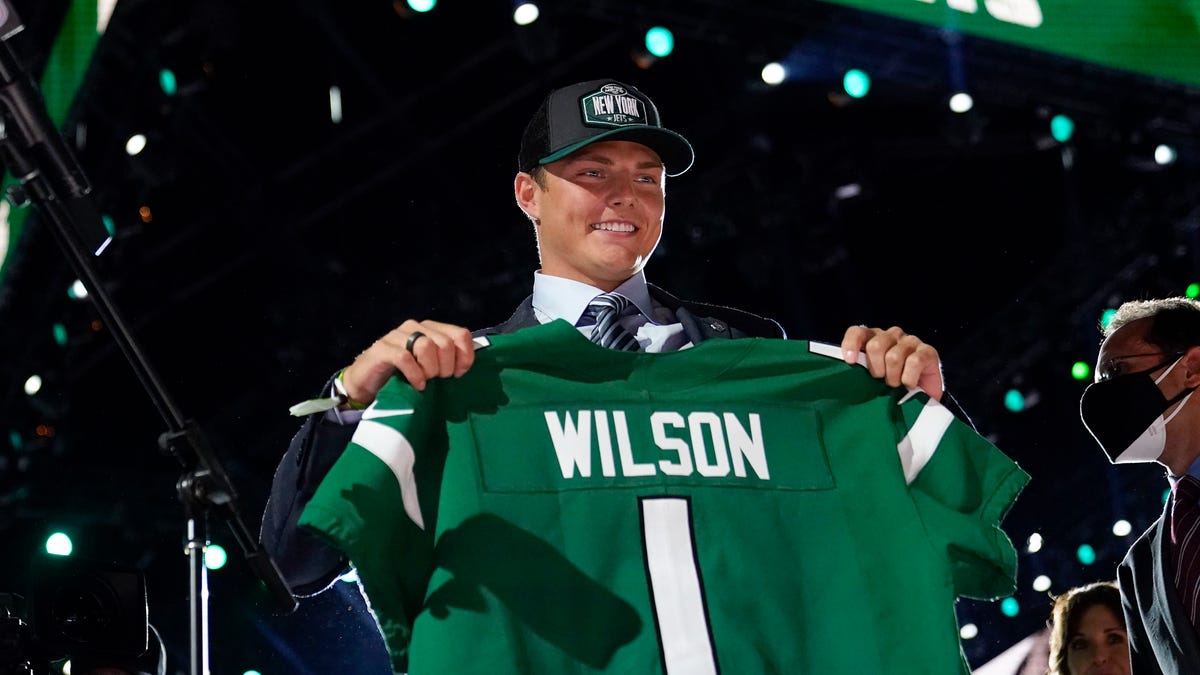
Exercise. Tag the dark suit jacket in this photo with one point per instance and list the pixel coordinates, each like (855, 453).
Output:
(1161, 637)
(307, 563)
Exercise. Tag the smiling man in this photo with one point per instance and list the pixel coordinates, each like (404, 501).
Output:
(592, 172)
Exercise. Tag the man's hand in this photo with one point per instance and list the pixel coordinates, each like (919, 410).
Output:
(442, 350)
(896, 357)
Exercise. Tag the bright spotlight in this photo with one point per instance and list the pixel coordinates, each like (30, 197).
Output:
(961, 102)
(660, 41)
(168, 82)
(33, 384)
(968, 631)
(1062, 128)
(1035, 543)
(525, 14)
(135, 144)
(773, 73)
(215, 556)
(1122, 527)
(335, 104)
(59, 544)
(856, 83)
(1041, 584)
(1164, 155)
(77, 291)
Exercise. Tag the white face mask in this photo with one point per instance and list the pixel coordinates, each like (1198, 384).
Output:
(1150, 445)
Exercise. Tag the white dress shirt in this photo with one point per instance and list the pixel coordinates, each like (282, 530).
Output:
(654, 325)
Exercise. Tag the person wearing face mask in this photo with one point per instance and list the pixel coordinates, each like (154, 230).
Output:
(1140, 409)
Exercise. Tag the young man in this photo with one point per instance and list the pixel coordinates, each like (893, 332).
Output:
(593, 166)
(546, 505)
(1139, 410)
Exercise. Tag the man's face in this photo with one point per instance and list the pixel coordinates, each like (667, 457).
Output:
(600, 215)
(1127, 351)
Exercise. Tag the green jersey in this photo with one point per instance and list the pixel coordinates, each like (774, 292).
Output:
(742, 506)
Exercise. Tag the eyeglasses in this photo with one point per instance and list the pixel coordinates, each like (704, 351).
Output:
(1109, 368)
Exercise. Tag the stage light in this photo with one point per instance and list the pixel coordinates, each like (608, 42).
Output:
(77, 291)
(1062, 128)
(1086, 554)
(961, 102)
(1164, 155)
(335, 104)
(1034, 543)
(1081, 371)
(1122, 528)
(33, 384)
(969, 631)
(215, 556)
(659, 41)
(1010, 606)
(59, 544)
(1193, 289)
(422, 5)
(14, 439)
(251, 672)
(1041, 583)
(847, 191)
(167, 81)
(135, 144)
(856, 83)
(773, 73)
(60, 334)
(525, 13)
(1014, 400)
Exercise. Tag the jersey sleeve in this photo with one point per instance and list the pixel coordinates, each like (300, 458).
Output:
(371, 508)
(963, 486)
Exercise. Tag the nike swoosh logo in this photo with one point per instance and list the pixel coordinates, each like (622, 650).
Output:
(375, 413)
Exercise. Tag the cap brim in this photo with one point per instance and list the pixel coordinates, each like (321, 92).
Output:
(674, 150)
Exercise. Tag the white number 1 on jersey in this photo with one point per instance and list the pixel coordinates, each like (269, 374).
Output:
(676, 591)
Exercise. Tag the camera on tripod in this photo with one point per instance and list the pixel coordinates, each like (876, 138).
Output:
(85, 610)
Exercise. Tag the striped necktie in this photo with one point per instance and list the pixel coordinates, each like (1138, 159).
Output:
(1185, 544)
(607, 309)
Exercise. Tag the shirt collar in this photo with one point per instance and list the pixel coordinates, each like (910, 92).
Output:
(561, 298)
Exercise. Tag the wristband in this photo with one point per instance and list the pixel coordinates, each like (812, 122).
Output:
(339, 388)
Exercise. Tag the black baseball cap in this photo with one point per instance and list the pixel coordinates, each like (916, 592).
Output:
(571, 117)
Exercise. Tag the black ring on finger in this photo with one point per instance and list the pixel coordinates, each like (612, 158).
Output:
(412, 339)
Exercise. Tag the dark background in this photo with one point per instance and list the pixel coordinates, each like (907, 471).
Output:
(281, 244)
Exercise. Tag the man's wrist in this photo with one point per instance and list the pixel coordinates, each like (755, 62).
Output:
(343, 397)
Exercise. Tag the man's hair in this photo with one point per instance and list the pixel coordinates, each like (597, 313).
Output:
(538, 173)
(1068, 608)
(1174, 322)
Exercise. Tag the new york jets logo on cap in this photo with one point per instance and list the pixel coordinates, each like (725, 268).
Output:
(613, 106)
